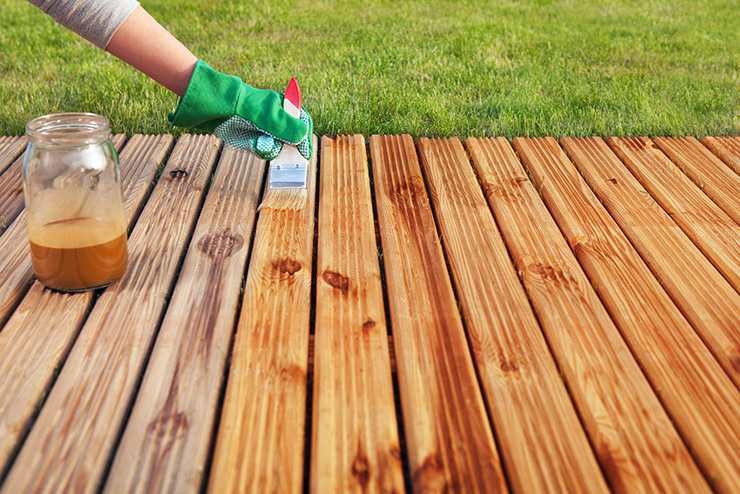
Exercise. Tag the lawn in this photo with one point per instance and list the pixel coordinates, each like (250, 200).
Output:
(428, 68)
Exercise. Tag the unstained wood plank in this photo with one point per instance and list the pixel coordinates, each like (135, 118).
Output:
(707, 171)
(167, 439)
(260, 443)
(448, 435)
(637, 446)
(543, 445)
(11, 189)
(71, 441)
(684, 373)
(710, 228)
(10, 148)
(16, 274)
(354, 440)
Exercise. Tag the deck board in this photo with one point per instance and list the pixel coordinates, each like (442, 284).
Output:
(679, 366)
(88, 402)
(543, 444)
(530, 316)
(451, 446)
(355, 444)
(11, 148)
(167, 440)
(707, 171)
(705, 223)
(261, 436)
(608, 387)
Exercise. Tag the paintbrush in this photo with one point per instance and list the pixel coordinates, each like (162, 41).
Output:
(286, 180)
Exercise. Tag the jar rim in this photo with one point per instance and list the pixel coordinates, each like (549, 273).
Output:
(68, 129)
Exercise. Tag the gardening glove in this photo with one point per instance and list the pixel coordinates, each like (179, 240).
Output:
(240, 115)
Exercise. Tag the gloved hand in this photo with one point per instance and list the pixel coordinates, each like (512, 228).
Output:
(244, 117)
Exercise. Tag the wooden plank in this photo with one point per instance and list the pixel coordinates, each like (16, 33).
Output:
(633, 438)
(448, 435)
(705, 298)
(707, 171)
(354, 444)
(681, 369)
(139, 161)
(16, 274)
(38, 336)
(710, 228)
(261, 435)
(11, 189)
(71, 441)
(10, 148)
(167, 439)
(11, 193)
(543, 445)
(727, 148)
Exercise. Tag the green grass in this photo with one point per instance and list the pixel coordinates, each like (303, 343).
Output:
(427, 68)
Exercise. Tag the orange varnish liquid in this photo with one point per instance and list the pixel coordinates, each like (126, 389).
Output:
(78, 253)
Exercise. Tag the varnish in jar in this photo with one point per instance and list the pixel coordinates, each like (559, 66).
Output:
(74, 208)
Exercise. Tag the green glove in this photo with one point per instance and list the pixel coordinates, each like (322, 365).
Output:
(240, 115)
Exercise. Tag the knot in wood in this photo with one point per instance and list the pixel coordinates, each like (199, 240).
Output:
(178, 173)
(286, 265)
(368, 324)
(336, 280)
(221, 244)
(410, 189)
(361, 469)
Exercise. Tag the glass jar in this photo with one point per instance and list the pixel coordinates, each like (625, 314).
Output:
(74, 207)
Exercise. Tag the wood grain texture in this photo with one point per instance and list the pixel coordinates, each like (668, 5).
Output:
(705, 298)
(637, 446)
(71, 442)
(708, 227)
(727, 148)
(681, 369)
(708, 172)
(543, 445)
(260, 442)
(11, 185)
(138, 165)
(10, 148)
(167, 439)
(11, 188)
(354, 444)
(449, 438)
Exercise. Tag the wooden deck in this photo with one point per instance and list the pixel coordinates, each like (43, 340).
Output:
(530, 316)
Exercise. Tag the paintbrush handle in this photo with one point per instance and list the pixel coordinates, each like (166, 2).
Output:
(292, 101)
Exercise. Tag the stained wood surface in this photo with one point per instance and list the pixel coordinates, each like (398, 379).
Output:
(710, 228)
(355, 444)
(70, 444)
(707, 171)
(606, 383)
(522, 317)
(261, 436)
(727, 148)
(705, 298)
(543, 443)
(451, 447)
(679, 366)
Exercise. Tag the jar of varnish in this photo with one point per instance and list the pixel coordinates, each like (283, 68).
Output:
(74, 208)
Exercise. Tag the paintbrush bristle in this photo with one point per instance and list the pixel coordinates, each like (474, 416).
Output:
(285, 199)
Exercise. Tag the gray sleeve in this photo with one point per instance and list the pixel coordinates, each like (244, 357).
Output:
(95, 20)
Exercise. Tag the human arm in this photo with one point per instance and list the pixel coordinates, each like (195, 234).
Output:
(243, 116)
